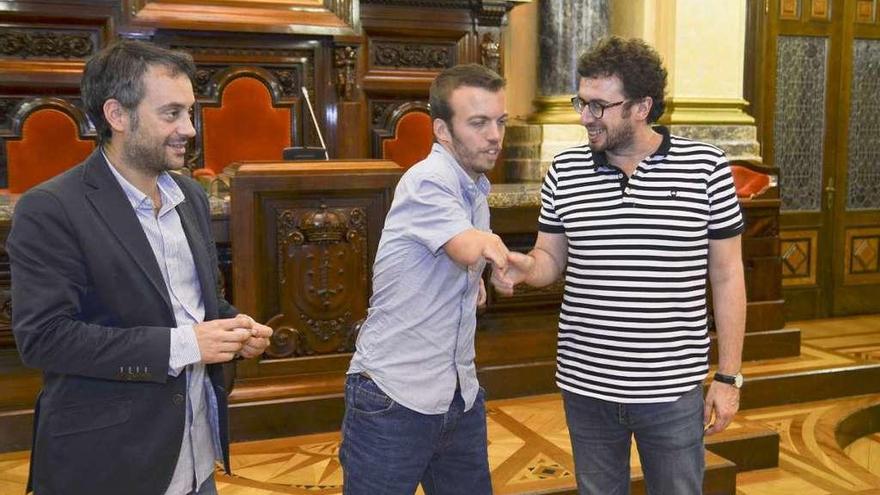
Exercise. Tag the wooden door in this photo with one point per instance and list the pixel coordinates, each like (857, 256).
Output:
(817, 87)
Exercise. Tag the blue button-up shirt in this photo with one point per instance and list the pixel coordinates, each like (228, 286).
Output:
(418, 339)
(164, 231)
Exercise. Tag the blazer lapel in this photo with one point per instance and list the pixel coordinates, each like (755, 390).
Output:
(200, 254)
(114, 209)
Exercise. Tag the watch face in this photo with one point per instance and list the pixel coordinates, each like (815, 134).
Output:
(738, 380)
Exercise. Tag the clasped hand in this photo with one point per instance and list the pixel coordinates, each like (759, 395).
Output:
(221, 340)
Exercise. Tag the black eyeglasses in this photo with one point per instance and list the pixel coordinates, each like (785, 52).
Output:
(597, 109)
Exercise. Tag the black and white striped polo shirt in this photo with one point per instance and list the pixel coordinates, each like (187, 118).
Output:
(632, 327)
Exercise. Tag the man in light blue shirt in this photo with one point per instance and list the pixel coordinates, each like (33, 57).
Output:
(114, 278)
(414, 410)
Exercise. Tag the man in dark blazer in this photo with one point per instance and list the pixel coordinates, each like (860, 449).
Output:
(114, 276)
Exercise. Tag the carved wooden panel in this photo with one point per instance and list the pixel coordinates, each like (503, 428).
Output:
(322, 278)
(866, 11)
(862, 258)
(820, 10)
(384, 116)
(37, 43)
(306, 237)
(397, 54)
(789, 9)
(799, 250)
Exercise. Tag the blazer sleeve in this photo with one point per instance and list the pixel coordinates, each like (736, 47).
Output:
(50, 294)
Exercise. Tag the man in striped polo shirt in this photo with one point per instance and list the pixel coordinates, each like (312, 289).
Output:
(636, 220)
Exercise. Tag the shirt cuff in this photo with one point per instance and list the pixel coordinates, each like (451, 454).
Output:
(184, 349)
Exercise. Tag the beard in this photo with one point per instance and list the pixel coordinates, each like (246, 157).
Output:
(147, 153)
(619, 138)
(475, 160)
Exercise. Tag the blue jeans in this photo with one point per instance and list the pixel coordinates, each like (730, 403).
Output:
(388, 449)
(669, 437)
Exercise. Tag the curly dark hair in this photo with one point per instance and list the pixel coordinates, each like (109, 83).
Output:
(635, 63)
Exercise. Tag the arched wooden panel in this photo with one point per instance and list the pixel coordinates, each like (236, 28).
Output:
(413, 136)
(50, 143)
(246, 126)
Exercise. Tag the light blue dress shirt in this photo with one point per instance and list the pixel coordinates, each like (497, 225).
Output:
(417, 342)
(201, 435)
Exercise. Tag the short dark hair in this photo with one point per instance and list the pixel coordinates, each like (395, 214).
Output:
(117, 72)
(472, 75)
(635, 63)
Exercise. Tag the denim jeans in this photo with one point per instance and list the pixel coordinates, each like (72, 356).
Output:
(669, 437)
(388, 449)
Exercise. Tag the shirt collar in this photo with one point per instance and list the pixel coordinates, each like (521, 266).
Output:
(481, 184)
(601, 159)
(170, 192)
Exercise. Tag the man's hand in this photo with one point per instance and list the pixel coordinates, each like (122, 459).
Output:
(258, 341)
(220, 340)
(722, 402)
(518, 267)
(481, 298)
(495, 251)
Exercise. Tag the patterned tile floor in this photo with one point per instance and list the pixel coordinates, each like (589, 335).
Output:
(529, 450)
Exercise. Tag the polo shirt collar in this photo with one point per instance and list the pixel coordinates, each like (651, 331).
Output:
(601, 159)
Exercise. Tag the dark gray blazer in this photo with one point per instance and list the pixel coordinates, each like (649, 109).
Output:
(90, 309)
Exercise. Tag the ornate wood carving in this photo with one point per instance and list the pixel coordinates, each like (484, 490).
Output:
(322, 260)
(7, 110)
(27, 43)
(490, 52)
(345, 62)
(403, 54)
(385, 114)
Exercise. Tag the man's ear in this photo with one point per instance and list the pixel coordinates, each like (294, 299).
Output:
(116, 115)
(643, 109)
(441, 131)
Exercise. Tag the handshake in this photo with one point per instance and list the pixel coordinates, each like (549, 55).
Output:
(508, 267)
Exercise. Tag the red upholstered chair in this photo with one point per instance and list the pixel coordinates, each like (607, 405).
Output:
(412, 140)
(50, 138)
(245, 126)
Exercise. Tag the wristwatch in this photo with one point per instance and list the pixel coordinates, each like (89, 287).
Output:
(735, 380)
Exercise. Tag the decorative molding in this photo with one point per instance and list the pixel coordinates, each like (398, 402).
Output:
(820, 10)
(762, 227)
(706, 111)
(865, 11)
(8, 108)
(322, 260)
(862, 256)
(490, 52)
(384, 117)
(799, 253)
(789, 9)
(401, 54)
(46, 44)
(304, 17)
(345, 63)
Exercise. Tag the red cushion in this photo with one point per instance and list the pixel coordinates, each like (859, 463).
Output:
(245, 127)
(748, 182)
(49, 145)
(412, 140)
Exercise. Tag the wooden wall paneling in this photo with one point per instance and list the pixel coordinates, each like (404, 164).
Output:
(307, 17)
